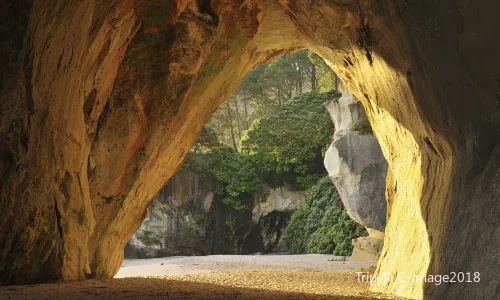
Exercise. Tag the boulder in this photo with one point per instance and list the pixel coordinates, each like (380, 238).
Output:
(368, 248)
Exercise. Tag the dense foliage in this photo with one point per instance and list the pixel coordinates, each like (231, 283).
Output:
(290, 144)
(321, 225)
(228, 173)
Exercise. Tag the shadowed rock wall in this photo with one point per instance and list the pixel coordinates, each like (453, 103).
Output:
(101, 100)
(187, 218)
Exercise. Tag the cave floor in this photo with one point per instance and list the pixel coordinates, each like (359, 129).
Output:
(183, 265)
(309, 276)
(237, 284)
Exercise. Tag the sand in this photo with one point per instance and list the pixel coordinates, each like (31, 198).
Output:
(182, 265)
(216, 277)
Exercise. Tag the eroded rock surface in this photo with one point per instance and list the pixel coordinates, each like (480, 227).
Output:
(101, 100)
(279, 199)
(186, 218)
(358, 169)
(171, 227)
(355, 163)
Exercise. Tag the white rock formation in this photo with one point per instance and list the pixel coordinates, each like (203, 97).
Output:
(278, 199)
(357, 167)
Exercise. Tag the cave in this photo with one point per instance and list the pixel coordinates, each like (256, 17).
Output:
(101, 100)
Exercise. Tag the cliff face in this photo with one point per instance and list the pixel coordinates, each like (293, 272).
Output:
(101, 100)
(186, 219)
(171, 226)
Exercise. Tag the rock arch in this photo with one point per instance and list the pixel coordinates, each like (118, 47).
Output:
(100, 101)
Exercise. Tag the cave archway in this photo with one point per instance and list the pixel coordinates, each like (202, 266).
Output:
(101, 101)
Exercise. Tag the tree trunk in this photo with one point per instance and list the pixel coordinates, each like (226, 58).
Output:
(314, 80)
(237, 117)
(231, 127)
(246, 115)
(300, 81)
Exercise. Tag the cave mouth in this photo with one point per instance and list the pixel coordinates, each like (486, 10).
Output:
(255, 160)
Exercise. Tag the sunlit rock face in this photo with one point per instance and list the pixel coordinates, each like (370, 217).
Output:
(368, 248)
(186, 218)
(355, 163)
(101, 100)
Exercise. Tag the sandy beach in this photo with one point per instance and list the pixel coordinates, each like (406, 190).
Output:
(216, 277)
(183, 265)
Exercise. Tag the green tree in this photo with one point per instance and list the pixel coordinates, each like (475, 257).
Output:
(267, 87)
(207, 139)
(228, 173)
(295, 137)
(327, 80)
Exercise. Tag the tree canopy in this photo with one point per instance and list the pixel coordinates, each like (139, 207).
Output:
(294, 139)
(266, 88)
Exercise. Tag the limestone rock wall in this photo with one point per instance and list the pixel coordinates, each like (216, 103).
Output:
(182, 221)
(170, 227)
(355, 163)
(101, 100)
(279, 199)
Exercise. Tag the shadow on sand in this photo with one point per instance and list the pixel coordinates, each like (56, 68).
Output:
(155, 288)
